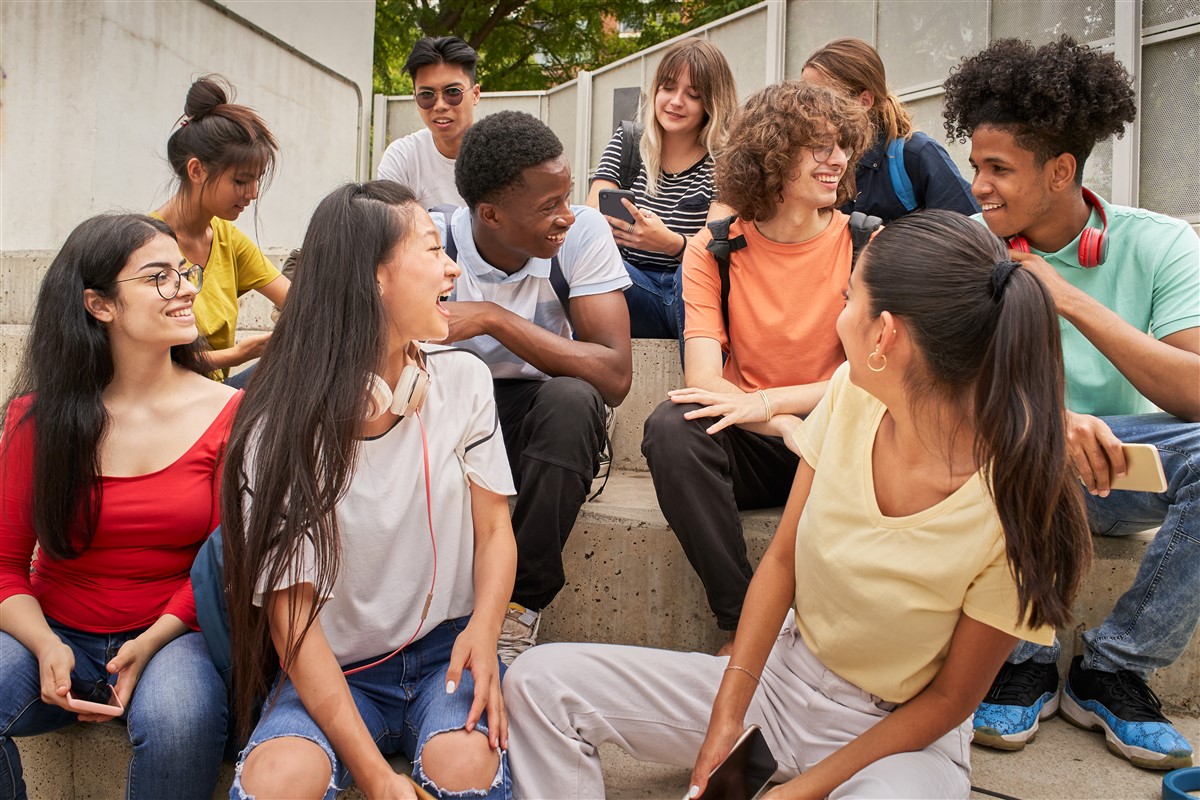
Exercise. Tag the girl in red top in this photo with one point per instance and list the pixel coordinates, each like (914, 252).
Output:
(109, 464)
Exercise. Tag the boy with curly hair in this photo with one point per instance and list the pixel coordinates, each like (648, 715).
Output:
(1129, 308)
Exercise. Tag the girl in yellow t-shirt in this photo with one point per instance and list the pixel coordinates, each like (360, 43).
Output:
(221, 153)
(933, 520)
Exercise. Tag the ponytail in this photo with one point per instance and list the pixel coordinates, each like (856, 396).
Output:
(1020, 425)
(988, 337)
(221, 134)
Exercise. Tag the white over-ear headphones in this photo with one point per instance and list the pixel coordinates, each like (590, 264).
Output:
(407, 398)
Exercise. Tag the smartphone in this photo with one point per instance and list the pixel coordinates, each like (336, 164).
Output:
(97, 697)
(611, 205)
(1143, 470)
(745, 771)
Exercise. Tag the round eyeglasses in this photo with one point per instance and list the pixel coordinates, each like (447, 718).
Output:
(167, 280)
(453, 95)
(822, 152)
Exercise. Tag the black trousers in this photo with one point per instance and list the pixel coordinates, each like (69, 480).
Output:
(701, 482)
(553, 431)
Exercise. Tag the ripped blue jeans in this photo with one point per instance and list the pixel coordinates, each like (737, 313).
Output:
(403, 702)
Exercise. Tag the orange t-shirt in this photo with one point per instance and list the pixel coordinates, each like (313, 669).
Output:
(784, 301)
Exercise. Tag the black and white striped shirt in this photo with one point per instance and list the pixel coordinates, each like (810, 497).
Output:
(682, 201)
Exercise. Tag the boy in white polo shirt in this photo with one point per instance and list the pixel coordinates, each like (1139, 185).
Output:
(556, 359)
(1126, 283)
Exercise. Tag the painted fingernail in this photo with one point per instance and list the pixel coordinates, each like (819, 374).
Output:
(694, 792)
(450, 687)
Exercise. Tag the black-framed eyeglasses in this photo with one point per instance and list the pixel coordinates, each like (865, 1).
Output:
(822, 152)
(453, 95)
(167, 279)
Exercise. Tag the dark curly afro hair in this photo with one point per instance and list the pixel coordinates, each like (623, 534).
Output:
(1059, 98)
(497, 150)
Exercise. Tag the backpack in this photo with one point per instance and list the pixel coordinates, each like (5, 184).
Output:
(557, 279)
(901, 184)
(631, 153)
(721, 246)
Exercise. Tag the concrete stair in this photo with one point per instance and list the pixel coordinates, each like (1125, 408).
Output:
(628, 582)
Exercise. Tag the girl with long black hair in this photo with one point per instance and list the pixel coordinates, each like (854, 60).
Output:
(368, 549)
(109, 466)
(933, 521)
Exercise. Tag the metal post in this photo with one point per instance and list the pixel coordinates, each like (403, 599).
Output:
(1126, 150)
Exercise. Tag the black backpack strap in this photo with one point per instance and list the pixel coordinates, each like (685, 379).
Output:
(561, 288)
(861, 228)
(721, 246)
(631, 153)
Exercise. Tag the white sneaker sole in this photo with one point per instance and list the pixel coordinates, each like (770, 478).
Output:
(1080, 717)
(1017, 741)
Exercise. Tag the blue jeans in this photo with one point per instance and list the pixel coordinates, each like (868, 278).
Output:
(1153, 621)
(655, 304)
(404, 704)
(176, 717)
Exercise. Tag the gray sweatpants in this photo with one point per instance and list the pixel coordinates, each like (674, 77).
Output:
(564, 700)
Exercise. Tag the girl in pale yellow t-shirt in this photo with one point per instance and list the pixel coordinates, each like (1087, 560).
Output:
(221, 152)
(933, 521)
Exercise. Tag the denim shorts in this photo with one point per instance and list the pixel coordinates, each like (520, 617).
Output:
(403, 703)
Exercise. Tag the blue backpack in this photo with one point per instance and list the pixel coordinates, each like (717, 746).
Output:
(212, 612)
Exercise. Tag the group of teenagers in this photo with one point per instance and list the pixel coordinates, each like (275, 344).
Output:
(939, 410)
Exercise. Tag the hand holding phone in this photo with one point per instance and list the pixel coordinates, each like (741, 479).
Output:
(1143, 470)
(96, 697)
(611, 205)
(745, 771)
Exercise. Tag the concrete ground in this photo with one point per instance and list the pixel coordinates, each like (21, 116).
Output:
(1062, 763)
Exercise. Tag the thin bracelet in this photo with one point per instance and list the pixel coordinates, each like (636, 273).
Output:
(743, 669)
(682, 247)
(766, 404)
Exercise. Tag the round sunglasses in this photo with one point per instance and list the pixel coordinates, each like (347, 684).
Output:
(453, 95)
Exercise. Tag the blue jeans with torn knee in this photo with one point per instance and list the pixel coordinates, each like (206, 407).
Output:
(1154, 619)
(403, 703)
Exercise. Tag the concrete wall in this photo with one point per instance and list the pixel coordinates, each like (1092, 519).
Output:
(920, 40)
(93, 90)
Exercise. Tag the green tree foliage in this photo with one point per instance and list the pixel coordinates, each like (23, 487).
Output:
(532, 44)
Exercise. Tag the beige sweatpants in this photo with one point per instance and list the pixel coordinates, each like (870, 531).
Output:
(564, 700)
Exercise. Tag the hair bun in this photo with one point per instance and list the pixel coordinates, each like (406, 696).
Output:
(205, 94)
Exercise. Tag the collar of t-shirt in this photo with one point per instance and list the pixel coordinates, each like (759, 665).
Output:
(469, 257)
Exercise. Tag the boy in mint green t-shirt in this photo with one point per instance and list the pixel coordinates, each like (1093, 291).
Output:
(1131, 343)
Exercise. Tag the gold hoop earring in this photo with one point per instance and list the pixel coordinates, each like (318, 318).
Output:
(874, 368)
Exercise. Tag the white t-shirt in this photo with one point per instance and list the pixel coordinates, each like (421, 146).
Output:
(414, 161)
(386, 559)
(590, 263)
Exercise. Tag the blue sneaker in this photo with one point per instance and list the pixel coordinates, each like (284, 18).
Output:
(1021, 695)
(1122, 706)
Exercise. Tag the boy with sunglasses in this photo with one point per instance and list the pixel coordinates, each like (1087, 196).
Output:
(1126, 284)
(443, 75)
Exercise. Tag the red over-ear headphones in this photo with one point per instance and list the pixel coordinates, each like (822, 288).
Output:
(1093, 244)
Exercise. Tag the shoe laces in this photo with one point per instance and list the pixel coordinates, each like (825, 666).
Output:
(1014, 684)
(1140, 702)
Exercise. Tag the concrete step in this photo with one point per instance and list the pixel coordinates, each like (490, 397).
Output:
(656, 370)
(628, 582)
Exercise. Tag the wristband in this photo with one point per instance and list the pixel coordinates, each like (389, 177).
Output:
(766, 404)
(682, 247)
(1177, 783)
